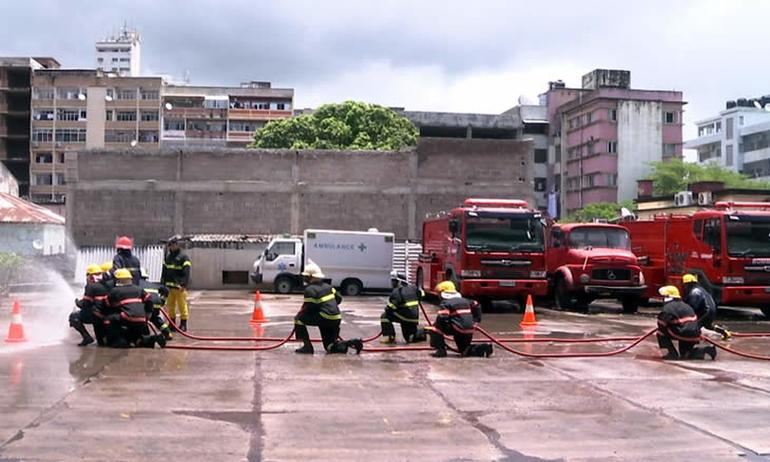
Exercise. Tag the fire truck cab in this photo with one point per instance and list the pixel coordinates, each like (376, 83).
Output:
(493, 249)
(727, 247)
(586, 261)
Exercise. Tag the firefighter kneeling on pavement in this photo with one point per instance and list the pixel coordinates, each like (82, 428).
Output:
(456, 317)
(129, 307)
(321, 308)
(677, 321)
(158, 294)
(403, 308)
(94, 295)
(703, 304)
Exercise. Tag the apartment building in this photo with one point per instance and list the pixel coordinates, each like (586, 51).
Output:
(75, 109)
(221, 116)
(121, 53)
(738, 138)
(15, 90)
(604, 135)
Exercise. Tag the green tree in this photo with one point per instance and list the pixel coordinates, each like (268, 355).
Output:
(676, 175)
(599, 210)
(350, 125)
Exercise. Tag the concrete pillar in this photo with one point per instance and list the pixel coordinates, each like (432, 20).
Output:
(178, 205)
(95, 115)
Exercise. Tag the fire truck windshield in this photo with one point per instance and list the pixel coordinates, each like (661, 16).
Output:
(595, 236)
(748, 236)
(500, 231)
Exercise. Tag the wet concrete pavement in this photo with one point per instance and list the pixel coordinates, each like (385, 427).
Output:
(61, 402)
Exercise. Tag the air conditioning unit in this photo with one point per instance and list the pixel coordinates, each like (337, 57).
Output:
(683, 199)
(705, 198)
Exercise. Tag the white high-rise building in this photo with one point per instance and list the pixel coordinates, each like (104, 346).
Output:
(120, 54)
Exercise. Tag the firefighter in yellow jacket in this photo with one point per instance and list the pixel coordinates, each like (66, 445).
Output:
(176, 276)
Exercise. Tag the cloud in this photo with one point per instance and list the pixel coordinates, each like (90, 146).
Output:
(430, 55)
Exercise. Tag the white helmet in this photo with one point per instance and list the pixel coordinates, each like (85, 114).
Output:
(313, 271)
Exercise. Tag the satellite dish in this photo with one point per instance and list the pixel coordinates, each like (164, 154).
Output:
(107, 98)
(757, 104)
(525, 100)
(134, 143)
(169, 106)
(625, 213)
(81, 97)
(37, 244)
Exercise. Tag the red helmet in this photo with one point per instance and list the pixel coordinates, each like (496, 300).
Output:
(124, 242)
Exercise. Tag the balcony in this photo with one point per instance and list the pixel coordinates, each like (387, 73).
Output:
(195, 113)
(259, 114)
(205, 134)
(172, 135)
(240, 137)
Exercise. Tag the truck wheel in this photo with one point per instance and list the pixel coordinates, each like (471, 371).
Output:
(283, 285)
(562, 296)
(352, 287)
(766, 311)
(630, 304)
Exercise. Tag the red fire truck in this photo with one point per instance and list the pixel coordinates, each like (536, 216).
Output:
(586, 261)
(494, 249)
(727, 247)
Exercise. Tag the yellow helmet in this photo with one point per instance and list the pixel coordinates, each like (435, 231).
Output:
(669, 291)
(688, 278)
(106, 266)
(445, 286)
(93, 269)
(313, 271)
(123, 273)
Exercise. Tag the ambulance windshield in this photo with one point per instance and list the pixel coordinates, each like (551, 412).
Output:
(748, 236)
(501, 231)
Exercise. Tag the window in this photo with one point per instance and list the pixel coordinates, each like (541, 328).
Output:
(612, 179)
(712, 234)
(108, 115)
(42, 135)
(612, 147)
(126, 93)
(110, 92)
(669, 117)
(590, 147)
(279, 248)
(71, 93)
(43, 158)
(71, 135)
(43, 114)
(60, 179)
(589, 116)
(150, 94)
(613, 113)
(114, 60)
(281, 106)
(245, 126)
(126, 116)
(589, 181)
(540, 184)
(173, 124)
(42, 179)
(43, 93)
(756, 141)
(669, 150)
(541, 156)
(557, 152)
(118, 136)
(729, 128)
(729, 155)
(149, 116)
(71, 114)
(740, 120)
(148, 136)
(264, 106)
(697, 228)
(718, 128)
(99, 60)
(124, 60)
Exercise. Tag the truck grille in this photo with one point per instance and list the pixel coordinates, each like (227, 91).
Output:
(611, 274)
(505, 273)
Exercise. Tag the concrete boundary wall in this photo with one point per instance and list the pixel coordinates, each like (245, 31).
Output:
(151, 194)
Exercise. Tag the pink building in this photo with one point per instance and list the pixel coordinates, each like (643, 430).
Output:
(604, 136)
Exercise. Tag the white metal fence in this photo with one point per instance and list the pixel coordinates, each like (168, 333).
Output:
(404, 258)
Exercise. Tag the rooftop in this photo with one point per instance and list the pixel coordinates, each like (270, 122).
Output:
(15, 210)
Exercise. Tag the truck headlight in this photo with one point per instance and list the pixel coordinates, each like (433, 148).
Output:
(537, 274)
(641, 278)
(470, 273)
(732, 280)
(584, 278)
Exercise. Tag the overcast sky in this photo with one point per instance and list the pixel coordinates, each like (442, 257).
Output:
(424, 55)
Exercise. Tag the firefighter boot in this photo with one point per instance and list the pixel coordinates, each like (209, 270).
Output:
(161, 339)
(388, 340)
(480, 350)
(437, 341)
(388, 332)
(87, 339)
(183, 325)
(300, 332)
(167, 335)
(357, 344)
(418, 336)
(672, 355)
(338, 347)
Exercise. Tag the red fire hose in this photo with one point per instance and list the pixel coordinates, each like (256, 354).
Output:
(736, 352)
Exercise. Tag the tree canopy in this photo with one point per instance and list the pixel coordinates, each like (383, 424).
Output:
(599, 210)
(350, 125)
(675, 175)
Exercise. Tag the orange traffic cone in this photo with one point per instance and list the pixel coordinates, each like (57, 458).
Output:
(529, 314)
(258, 316)
(16, 329)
